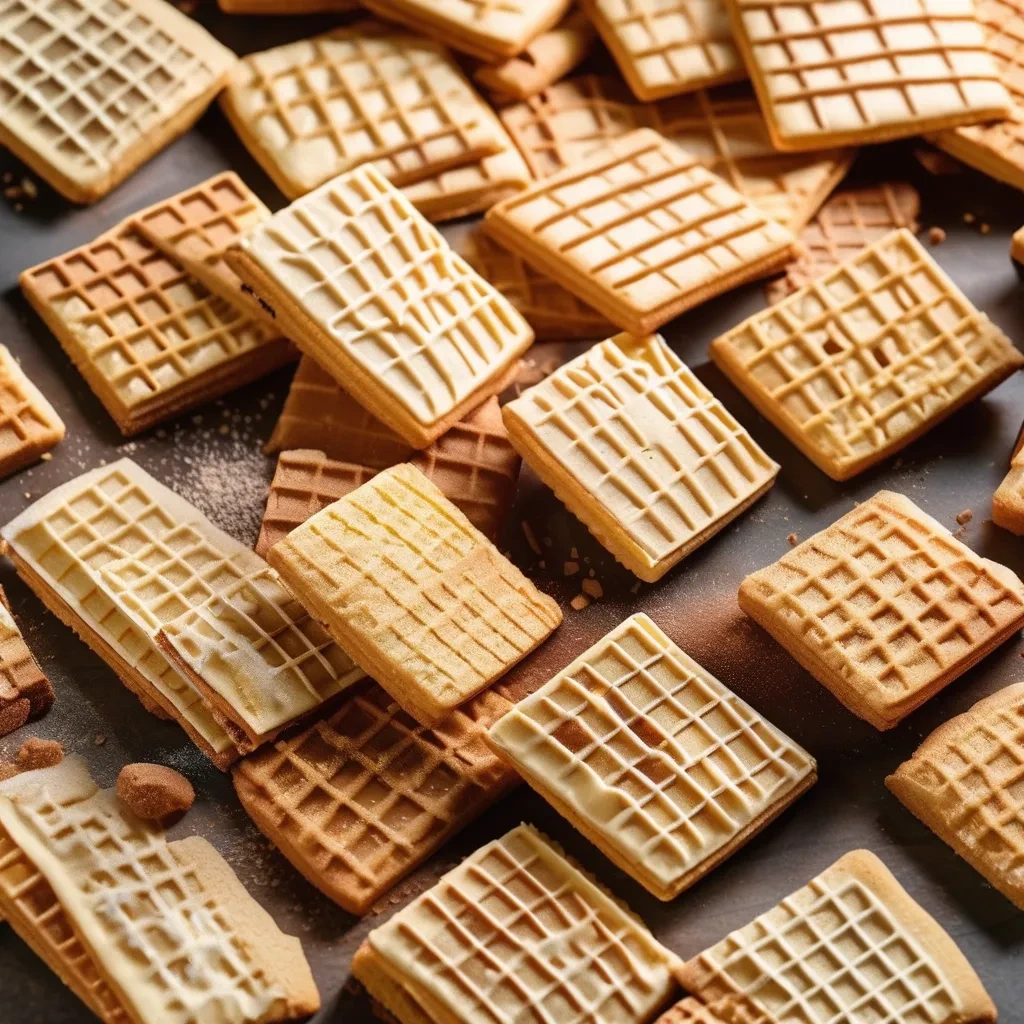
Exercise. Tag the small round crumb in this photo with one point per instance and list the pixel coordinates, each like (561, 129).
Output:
(36, 753)
(936, 235)
(963, 518)
(153, 791)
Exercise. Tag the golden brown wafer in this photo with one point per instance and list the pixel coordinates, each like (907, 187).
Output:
(29, 425)
(25, 692)
(1008, 501)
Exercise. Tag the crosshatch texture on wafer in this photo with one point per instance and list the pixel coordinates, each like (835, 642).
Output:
(90, 89)
(966, 783)
(885, 607)
(850, 942)
(362, 797)
(641, 231)
(148, 337)
(689, 1011)
(837, 72)
(639, 450)
(142, 905)
(723, 128)
(866, 358)
(665, 47)
(25, 692)
(1008, 501)
(29, 425)
(365, 285)
(414, 592)
(312, 109)
(665, 769)
(514, 930)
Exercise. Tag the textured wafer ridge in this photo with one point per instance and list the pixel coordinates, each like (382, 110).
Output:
(1008, 501)
(29, 425)
(25, 692)
(689, 1011)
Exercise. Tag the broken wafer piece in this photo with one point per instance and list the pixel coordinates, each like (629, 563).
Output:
(371, 290)
(657, 763)
(128, 908)
(1008, 501)
(91, 89)
(641, 231)
(25, 692)
(516, 932)
(867, 358)
(150, 340)
(29, 425)
(639, 450)
(965, 783)
(843, 72)
(424, 602)
(848, 946)
(885, 607)
(364, 796)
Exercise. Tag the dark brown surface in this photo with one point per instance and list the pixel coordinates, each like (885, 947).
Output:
(217, 464)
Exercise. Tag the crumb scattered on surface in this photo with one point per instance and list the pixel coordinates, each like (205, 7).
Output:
(592, 588)
(936, 235)
(984, 228)
(39, 753)
(570, 568)
(963, 518)
(154, 791)
(99, 739)
(793, 540)
(579, 602)
(969, 218)
(46, 456)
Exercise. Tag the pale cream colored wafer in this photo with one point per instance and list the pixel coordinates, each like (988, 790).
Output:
(657, 763)
(639, 450)
(414, 592)
(514, 931)
(665, 47)
(842, 72)
(313, 109)
(91, 89)
(29, 425)
(885, 607)
(1008, 501)
(641, 231)
(864, 360)
(25, 692)
(851, 942)
(367, 287)
(966, 783)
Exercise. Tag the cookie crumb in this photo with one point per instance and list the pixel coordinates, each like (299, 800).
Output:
(38, 753)
(46, 456)
(579, 602)
(984, 228)
(592, 588)
(936, 235)
(154, 791)
(570, 568)
(965, 517)
(969, 218)
(99, 739)
(793, 540)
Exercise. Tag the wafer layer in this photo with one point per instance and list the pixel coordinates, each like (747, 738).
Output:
(1008, 501)
(367, 287)
(29, 425)
(419, 597)
(868, 357)
(849, 943)
(91, 89)
(25, 692)
(639, 450)
(641, 231)
(885, 607)
(665, 769)
(838, 72)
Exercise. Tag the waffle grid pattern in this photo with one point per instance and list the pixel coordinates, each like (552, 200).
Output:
(24, 691)
(29, 425)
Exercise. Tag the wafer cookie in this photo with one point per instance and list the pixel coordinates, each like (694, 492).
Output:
(25, 692)
(867, 358)
(514, 932)
(91, 89)
(371, 290)
(29, 425)
(842, 72)
(885, 607)
(641, 231)
(1008, 501)
(420, 598)
(361, 798)
(150, 340)
(140, 907)
(639, 450)
(313, 109)
(850, 943)
(657, 763)
(665, 47)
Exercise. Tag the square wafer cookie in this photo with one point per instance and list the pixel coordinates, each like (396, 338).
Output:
(361, 798)
(850, 220)
(490, 30)
(142, 907)
(1008, 501)
(91, 89)
(641, 231)
(842, 72)
(885, 607)
(367, 287)
(966, 783)
(313, 109)
(414, 592)
(724, 128)
(478, 945)
(197, 225)
(150, 340)
(657, 763)
(851, 945)
(867, 358)
(639, 450)
(665, 47)
(29, 425)
(25, 692)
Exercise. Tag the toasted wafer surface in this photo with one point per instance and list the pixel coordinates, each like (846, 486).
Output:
(29, 425)
(25, 692)
(1008, 501)
(689, 1011)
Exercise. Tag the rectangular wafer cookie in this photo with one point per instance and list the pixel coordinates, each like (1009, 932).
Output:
(29, 425)
(25, 692)
(657, 763)
(885, 607)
